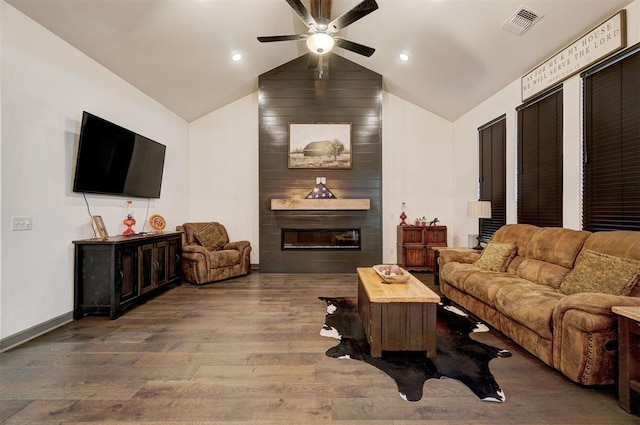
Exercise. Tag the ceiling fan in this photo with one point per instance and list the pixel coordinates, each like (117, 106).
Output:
(321, 36)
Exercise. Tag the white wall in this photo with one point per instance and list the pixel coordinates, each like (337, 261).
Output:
(417, 168)
(46, 84)
(223, 170)
(465, 141)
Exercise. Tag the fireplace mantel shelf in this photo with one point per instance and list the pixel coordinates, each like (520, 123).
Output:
(320, 204)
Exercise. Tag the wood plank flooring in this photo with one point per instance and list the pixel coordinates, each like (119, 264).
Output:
(248, 351)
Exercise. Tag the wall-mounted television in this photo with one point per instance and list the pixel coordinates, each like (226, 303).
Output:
(115, 161)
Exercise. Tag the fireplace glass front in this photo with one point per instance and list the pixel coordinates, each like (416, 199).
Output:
(321, 239)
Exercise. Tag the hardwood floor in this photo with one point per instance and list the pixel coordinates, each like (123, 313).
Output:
(248, 351)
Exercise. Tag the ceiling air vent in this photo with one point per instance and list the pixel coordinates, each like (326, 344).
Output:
(521, 20)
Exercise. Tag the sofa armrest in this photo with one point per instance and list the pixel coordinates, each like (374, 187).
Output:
(592, 304)
(195, 249)
(237, 245)
(196, 254)
(466, 256)
(585, 336)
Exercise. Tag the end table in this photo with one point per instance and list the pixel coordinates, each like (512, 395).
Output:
(629, 358)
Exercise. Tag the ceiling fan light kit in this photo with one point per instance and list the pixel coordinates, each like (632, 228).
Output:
(321, 38)
(320, 43)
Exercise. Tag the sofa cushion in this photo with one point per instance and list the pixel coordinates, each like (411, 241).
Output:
(224, 258)
(557, 245)
(519, 234)
(601, 273)
(530, 305)
(496, 256)
(484, 285)
(541, 272)
(551, 254)
(456, 273)
(619, 243)
(211, 237)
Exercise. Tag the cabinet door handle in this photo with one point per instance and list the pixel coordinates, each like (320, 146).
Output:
(121, 275)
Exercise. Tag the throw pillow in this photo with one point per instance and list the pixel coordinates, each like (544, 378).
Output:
(496, 256)
(210, 237)
(601, 273)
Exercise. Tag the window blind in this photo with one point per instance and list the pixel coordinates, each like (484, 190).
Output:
(492, 179)
(611, 152)
(539, 161)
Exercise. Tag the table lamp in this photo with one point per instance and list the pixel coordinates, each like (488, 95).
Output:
(479, 209)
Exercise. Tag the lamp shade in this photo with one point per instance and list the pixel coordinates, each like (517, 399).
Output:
(320, 43)
(479, 209)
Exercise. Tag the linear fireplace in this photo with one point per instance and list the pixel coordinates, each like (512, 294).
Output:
(334, 239)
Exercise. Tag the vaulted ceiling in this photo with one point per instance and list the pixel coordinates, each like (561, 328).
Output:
(179, 51)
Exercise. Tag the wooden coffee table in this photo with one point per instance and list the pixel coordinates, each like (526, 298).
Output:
(397, 316)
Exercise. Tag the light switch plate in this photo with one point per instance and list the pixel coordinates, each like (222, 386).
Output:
(322, 180)
(21, 223)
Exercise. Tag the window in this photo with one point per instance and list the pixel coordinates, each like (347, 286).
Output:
(611, 158)
(540, 160)
(492, 177)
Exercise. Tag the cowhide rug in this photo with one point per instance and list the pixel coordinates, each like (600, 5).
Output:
(458, 355)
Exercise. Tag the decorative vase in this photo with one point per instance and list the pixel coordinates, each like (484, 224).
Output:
(403, 216)
(129, 221)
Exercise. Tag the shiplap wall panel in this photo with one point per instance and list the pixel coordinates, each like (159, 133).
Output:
(347, 93)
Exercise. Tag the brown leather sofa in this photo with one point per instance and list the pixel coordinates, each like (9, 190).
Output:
(553, 294)
(208, 256)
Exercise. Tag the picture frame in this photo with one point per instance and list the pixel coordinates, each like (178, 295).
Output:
(100, 227)
(320, 145)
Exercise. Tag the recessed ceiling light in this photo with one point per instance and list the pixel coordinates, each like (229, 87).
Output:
(404, 57)
(236, 57)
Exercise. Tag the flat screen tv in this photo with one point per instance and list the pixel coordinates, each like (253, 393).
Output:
(115, 161)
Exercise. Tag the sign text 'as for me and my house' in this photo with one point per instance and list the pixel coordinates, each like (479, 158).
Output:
(606, 38)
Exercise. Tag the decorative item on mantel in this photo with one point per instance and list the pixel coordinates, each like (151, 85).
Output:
(403, 216)
(320, 192)
(129, 221)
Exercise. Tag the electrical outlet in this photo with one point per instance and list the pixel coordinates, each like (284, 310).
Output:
(21, 223)
(322, 180)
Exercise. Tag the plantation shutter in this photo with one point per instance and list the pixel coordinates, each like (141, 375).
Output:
(540, 160)
(492, 177)
(611, 171)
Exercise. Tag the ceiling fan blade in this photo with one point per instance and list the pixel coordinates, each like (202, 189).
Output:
(313, 61)
(354, 47)
(359, 11)
(270, 38)
(303, 13)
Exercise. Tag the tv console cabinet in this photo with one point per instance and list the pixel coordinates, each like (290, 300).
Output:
(113, 274)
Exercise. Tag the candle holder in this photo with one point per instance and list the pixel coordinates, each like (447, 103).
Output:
(129, 221)
(403, 216)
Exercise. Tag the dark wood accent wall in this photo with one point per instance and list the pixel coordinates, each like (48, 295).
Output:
(346, 92)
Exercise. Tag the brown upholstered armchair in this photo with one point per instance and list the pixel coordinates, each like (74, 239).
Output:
(208, 256)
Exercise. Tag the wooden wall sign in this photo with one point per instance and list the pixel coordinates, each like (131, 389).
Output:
(603, 40)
